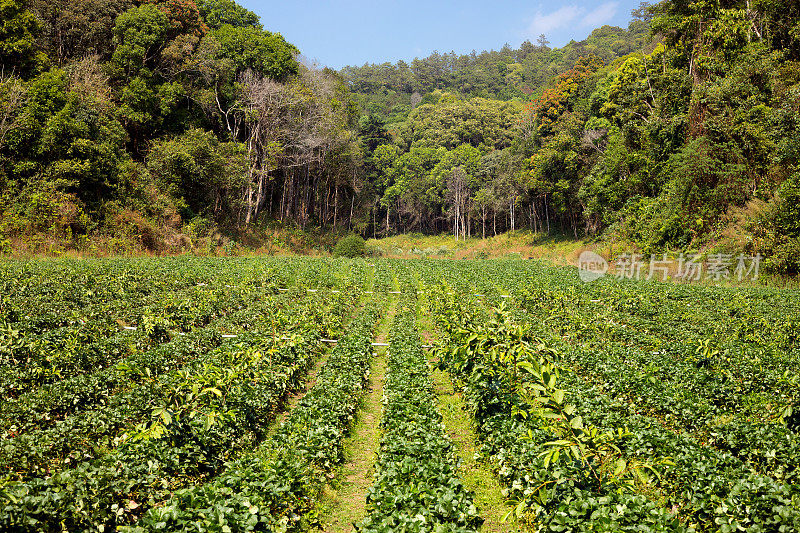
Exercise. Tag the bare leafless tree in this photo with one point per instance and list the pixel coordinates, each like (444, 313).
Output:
(595, 139)
(298, 142)
(458, 194)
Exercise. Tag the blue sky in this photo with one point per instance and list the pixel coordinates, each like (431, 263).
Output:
(354, 32)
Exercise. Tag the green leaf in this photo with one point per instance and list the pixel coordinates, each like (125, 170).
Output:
(526, 366)
(619, 466)
(558, 443)
(558, 396)
(520, 510)
(543, 495)
(164, 414)
(576, 452)
(547, 457)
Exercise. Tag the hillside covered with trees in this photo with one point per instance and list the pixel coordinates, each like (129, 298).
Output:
(688, 142)
(163, 122)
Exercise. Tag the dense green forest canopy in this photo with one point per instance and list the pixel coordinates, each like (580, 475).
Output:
(167, 121)
(504, 74)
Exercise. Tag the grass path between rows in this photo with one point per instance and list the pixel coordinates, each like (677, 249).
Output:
(345, 500)
(311, 379)
(476, 475)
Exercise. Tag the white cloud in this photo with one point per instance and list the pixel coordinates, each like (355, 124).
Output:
(555, 20)
(600, 16)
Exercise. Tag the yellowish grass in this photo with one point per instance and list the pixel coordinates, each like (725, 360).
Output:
(520, 244)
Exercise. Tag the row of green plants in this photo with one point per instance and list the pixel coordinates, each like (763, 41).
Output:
(328, 273)
(416, 487)
(754, 330)
(758, 322)
(561, 472)
(197, 422)
(664, 313)
(48, 341)
(30, 361)
(700, 402)
(735, 396)
(710, 489)
(278, 486)
(39, 296)
(383, 278)
(48, 403)
(63, 318)
(533, 410)
(720, 362)
(675, 330)
(91, 432)
(180, 427)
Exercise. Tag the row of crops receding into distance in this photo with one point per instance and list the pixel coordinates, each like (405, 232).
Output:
(192, 394)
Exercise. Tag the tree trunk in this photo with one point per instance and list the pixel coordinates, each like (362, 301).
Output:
(547, 214)
(455, 222)
(352, 203)
(249, 202)
(335, 206)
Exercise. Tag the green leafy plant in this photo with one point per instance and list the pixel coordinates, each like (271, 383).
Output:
(350, 246)
(602, 461)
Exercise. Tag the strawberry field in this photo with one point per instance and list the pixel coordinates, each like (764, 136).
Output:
(194, 394)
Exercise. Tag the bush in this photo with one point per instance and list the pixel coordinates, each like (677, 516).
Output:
(350, 246)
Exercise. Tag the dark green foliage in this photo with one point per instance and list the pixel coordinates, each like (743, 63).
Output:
(787, 213)
(139, 33)
(73, 29)
(504, 74)
(217, 13)
(19, 28)
(204, 174)
(249, 47)
(64, 154)
(372, 128)
(350, 246)
(161, 111)
(279, 485)
(775, 229)
(685, 138)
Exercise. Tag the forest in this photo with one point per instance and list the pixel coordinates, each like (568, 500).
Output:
(165, 122)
